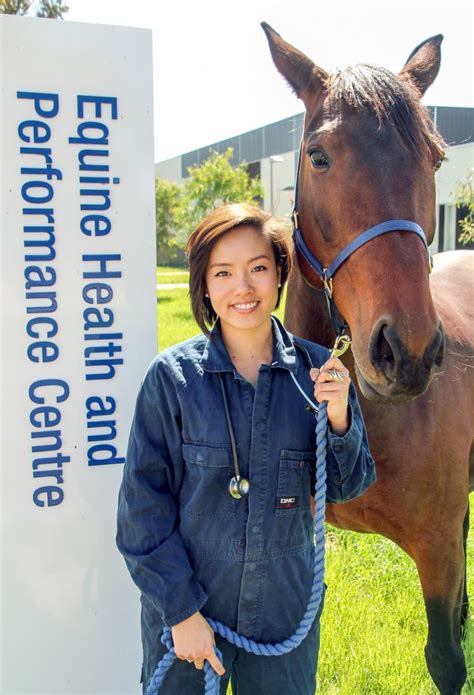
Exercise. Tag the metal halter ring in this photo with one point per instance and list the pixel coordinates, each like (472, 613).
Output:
(327, 282)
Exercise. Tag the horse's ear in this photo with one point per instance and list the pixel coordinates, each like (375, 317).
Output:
(422, 65)
(303, 76)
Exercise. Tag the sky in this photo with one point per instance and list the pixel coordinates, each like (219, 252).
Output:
(213, 74)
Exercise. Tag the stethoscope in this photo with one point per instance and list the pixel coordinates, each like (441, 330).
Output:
(239, 486)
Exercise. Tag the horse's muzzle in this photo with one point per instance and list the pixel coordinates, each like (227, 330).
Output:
(400, 376)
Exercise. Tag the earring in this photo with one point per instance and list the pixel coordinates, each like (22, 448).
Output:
(279, 284)
(206, 295)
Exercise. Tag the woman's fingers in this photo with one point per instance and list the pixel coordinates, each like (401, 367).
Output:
(216, 664)
(333, 374)
(325, 389)
(194, 641)
(213, 660)
(329, 374)
(333, 363)
(331, 385)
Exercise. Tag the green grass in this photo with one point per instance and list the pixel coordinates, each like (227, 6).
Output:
(373, 627)
(175, 321)
(170, 269)
(171, 275)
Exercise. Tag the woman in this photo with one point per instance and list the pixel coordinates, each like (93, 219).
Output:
(196, 543)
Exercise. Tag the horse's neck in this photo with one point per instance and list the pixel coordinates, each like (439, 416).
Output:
(306, 312)
(306, 315)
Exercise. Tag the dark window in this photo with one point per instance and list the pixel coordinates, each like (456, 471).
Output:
(254, 170)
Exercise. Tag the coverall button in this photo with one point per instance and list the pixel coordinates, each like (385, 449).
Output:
(338, 447)
(251, 566)
(255, 529)
(260, 426)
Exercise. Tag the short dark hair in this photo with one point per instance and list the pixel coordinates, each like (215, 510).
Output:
(202, 240)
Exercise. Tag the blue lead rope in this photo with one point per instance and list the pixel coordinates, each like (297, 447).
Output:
(212, 680)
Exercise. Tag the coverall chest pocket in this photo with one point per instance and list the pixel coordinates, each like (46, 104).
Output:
(204, 491)
(294, 481)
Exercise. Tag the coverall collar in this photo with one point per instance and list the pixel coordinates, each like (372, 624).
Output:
(215, 357)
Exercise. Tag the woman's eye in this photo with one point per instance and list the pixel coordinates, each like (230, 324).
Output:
(222, 274)
(319, 159)
(259, 268)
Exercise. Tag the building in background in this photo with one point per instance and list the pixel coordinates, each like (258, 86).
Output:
(271, 152)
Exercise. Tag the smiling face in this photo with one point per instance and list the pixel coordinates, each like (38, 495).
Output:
(242, 279)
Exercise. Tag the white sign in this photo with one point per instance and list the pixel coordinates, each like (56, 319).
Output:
(78, 331)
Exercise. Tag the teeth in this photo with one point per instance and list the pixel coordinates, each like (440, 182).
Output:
(248, 305)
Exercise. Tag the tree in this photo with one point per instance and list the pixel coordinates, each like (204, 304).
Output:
(19, 7)
(211, 184)
(465, 198)
(179, 208)
(168, 198)
(52, 9)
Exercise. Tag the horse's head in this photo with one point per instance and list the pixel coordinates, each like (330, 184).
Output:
(369, 152)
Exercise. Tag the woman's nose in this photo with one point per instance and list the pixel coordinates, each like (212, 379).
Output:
(243, 284)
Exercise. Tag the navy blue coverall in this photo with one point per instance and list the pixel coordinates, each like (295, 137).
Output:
(189, 546)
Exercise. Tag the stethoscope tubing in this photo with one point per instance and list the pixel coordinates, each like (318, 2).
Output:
(237, 483)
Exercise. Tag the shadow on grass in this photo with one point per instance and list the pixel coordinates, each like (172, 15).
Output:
(164, 300)
(184, 315)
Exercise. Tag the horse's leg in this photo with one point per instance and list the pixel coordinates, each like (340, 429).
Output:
(441, 566)
(465, 598)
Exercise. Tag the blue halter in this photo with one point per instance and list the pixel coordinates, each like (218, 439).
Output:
(327, 274)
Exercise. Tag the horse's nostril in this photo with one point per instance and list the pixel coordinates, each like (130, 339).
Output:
(440, 355)
(381, 353)
(438, 348)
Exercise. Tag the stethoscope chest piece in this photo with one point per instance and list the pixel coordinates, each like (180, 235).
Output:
(238, 487)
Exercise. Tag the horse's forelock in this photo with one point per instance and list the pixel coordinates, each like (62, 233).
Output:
(394, 102)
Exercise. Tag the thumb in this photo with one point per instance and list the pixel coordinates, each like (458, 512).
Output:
(314, 373)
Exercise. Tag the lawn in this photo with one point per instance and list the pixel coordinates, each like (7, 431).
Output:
(373, 628)
(165, 274)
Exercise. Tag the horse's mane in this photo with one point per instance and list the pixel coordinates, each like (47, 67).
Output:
(394, 101)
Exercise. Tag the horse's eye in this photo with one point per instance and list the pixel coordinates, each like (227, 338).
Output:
(439, 163)
(319, 159)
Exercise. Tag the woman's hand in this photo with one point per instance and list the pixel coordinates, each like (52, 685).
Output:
(334, 391)
(193, 640)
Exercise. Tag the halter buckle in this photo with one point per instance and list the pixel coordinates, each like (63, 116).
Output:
(327, 284)
(430, 263)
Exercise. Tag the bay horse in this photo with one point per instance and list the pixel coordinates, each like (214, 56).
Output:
(368, 154)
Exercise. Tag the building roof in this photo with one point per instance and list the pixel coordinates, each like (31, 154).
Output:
(456, 125)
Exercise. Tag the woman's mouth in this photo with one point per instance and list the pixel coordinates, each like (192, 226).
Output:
(244, 307)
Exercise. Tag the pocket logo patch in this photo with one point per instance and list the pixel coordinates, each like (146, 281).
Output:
(286, 502)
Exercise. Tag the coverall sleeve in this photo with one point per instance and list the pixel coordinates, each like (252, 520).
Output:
(147, 519)
(350, 467)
